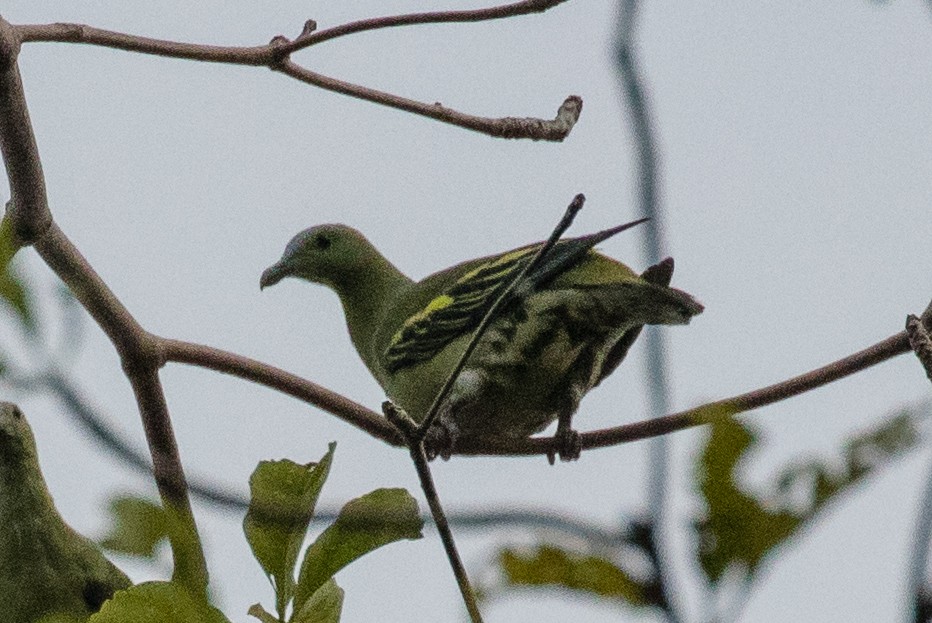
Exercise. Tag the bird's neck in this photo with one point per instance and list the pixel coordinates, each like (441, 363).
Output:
(27, 513)
(366, 299)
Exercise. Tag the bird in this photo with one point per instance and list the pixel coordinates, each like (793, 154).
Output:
(46, 568)
(569, 325)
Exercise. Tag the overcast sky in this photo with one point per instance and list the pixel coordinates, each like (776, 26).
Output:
(796, 147)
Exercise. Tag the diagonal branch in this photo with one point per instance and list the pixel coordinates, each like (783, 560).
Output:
(285, 382)
(32, 221)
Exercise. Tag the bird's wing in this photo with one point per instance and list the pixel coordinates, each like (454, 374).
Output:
(455, 311)
(460, 307)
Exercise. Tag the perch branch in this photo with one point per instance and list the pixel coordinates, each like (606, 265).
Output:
(285, 382)
(891, 347)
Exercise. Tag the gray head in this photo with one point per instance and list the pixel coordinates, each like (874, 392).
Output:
(327, 254)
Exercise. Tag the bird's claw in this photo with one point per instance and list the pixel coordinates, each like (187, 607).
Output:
(567, 445)
(441, 439)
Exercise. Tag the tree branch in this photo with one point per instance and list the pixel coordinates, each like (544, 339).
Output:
(891, 347)
(285, 382)
(555, 129)
(433, 17)
(32, 221)
(275, 55)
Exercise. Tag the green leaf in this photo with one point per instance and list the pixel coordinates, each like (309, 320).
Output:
(364, 524)
(549, 565)
(324, 606)
(138, 525)
(808, 486)
(736, 528)
(12, 288)
(741, 527)
(157, 602)
(284, 494)
(256, 610)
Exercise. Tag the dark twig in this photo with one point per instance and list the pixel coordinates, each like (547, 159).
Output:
(415, 442)
(567, 220)
(919, 339)
(434, 17)
(635, 95)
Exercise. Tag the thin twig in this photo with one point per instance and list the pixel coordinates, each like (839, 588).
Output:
(555, 129)
(567, 220)
(635, 95)
(433, 17)
(406, 426)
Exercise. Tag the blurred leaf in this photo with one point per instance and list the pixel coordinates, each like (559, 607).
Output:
(817, 482)
(284, 494)
(740, 528)
(364, 524)
(736, 528)
(12, 288)
(256, 610)
(138, 525)
(157, 602)
(324, 606)
(551, 566)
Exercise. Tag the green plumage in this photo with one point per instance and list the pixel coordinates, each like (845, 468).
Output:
(577, 315)
(46, 567)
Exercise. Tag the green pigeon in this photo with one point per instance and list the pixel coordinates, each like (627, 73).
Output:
(46, 568)
(572, 321)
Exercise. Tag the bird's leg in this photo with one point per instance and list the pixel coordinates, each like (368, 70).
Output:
(467, 390)
(568, 445)
(441, 438)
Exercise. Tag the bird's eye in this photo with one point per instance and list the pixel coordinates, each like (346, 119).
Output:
(322, 242)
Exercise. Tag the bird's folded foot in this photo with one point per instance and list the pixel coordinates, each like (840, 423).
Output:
(441, 439)
(566, 444)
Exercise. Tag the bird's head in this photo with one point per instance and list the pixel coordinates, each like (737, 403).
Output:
(332, 255)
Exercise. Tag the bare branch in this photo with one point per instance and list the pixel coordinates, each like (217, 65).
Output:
(275, 55)
(415, 442)
(31, 219)
(433, 17)
(81, 33)
(285, 382)
(555, 129)
(29, 210)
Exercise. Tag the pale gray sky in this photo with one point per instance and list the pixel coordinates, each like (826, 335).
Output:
(796, 142)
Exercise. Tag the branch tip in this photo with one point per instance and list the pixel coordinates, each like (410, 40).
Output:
(920, 340)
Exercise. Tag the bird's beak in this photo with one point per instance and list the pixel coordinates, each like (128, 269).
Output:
(273, 274)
